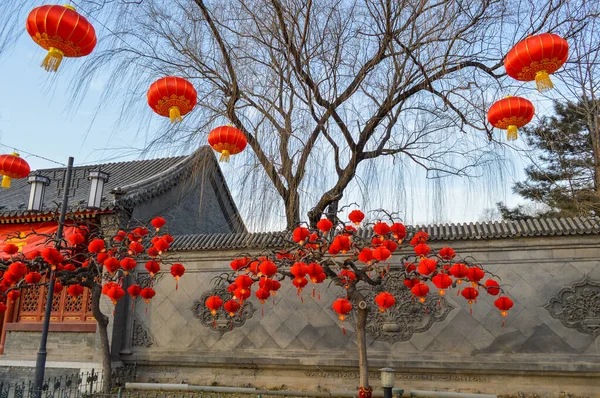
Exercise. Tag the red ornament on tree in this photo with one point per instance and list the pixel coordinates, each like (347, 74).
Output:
(342, 306)
(504, 304)
(356, 216)
(172, 97)
(12, 166)
(227, 140)
(470, 294)
(384, 301)
(62, 31)
(492, 287)
(537, 57)
(511, 113)
(177, 270)
(420, 290)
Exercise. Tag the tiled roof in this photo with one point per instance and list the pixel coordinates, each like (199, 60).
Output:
(437, 232)
(129, 183)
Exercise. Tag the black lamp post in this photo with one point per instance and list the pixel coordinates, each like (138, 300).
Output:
(40, 365)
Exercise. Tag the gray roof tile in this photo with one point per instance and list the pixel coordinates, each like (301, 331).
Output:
(495, 230)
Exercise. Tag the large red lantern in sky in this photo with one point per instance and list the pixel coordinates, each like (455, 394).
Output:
(172, 97)
(62, 31)
(511, 113)
(537, 57)
(12, 166)
(228, 141)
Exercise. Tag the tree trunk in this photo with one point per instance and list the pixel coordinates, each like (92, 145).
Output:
(362, 310)
(102, 321)
(292, 209)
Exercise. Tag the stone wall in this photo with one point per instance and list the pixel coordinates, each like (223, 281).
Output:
(549, 343)
(61, 346)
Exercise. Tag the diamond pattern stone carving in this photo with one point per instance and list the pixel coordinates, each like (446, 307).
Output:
(578, 306)
(407, 317)
(221, 321)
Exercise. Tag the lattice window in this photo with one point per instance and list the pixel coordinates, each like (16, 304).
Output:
(64, 307)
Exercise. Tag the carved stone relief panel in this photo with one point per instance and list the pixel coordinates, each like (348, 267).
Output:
(408, 316)
(141, 337)
(222, 322)
(578, 306)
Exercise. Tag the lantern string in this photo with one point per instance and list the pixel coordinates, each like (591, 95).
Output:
(32, 154)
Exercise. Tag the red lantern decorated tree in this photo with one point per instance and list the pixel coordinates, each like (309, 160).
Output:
(511, 113)
(172, 97)
(227, 140)
(537, 57)
(346, 258)
(62, 31)
(12, 166)
(87, 258)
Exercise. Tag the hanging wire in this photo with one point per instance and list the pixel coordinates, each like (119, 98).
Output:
(32, 154)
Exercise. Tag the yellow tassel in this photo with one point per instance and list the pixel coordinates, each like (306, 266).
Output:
(175, 114)
(6, 182)
(543, 82)
(512, 133)
(224, 156)
(52, 60)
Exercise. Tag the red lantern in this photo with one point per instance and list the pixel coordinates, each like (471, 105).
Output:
(537, 57)
(158, 223)
(342, 306)
(300, 234)
(504, 304)
(128, 264)
(111, 264)
(153, 267)
(347, 277)
(267, 268)
(75, 291)
(399, 231)
(475, 274)
(134, 290)
(172, 96)
(446, 253)
(33, 278)
(299, 269)
(366, 255)
(300, 282)
(384, 301)
(381, 229)
(390, 245)
(244, 281)
(324, 225)
(442, 282)
(62, 31)
(420, 290)
(427, 266)
(511, 113)
(231, 306)
(262, 295)
(459, 271)
(10, 249)
(492, 287)
(177, 270)
(275, 287)
(96, 246)
(356, 216)
(13, 295)
(147, 293)
(12, 166)
(422, 250)
(470, 294)
(214, 303)
(114, 292)
(314, 270)
(381, 254)
(419, 237)
(227, 140)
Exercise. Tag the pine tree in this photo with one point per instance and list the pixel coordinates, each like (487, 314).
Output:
(566, 175)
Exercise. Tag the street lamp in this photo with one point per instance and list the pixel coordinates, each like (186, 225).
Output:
(97, 178)
(387, 381)
(36, 194)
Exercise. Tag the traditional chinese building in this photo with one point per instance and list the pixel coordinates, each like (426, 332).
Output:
(188, 191)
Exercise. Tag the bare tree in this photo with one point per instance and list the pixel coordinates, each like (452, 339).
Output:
(322, 88)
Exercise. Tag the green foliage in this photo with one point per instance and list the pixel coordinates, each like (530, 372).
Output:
(566, 173)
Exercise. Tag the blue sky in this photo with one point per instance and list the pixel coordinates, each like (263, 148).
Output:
(36, 116)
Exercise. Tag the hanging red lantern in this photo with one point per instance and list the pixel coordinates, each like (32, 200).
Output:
(153, 267)
(13, 295)
(470, 294)
(422, 250)
(12, 166)
(314, 270)
(128, 264)
(342, 306)
(384, 301)
(275, 287)
(427, 266)
(356, 216)
(537, 57)
(398, 231)
(177, 270)
(75, 291)
(347, 277)
(324, 225)
(227, 140)
(172, 96)
(459, 271)
(134, 290)
(62, 31)
(10, 249)
(442, 282)
(511, 113)
(366, 256)
(33, 278)
(475, 274)
(381, 229)
(381, 254)
(390, 245)
(214, 303)
(147, 293)
(231, 306)
(114, 292)
(300, 234)
(446, 253)
(504, 304)
(267, 268)
(492, 287)
(299, 269)
(410, 283)
(300, 282)
(420, 290)
(158, 223)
